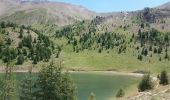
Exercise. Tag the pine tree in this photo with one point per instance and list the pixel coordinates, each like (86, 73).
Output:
(21, 33)
(140, 57)
(145, 84)
(8, 82)
(20, 44)
(68, 88)
(9, 41)
(20, 60)
(166, 56)
(52, 84)
(2, 24)
(34, 60)
(9, 54)
(8, 85)
(27, 88)
(164, 78)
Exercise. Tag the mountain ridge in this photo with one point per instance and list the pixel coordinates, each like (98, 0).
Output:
(164, 6)
(58, 13)
(48, 12)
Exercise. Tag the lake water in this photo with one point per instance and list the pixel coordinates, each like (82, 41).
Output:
(103, 85)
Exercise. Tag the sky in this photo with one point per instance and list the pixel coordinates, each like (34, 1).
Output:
(115, 5)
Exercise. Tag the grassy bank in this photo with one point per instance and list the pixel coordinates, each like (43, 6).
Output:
(111, 61)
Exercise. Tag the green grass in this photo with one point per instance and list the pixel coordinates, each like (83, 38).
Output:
(127, 62)
(92, 60)
(107, 60)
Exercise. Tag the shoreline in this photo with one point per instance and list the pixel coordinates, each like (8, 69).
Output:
(110, 73)
(104, 72)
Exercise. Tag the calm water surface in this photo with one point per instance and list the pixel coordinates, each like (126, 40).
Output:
(104, 86)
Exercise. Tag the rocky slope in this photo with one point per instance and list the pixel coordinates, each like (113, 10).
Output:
(42, 12)
(46, 12)
(165, 6)
(162, 93)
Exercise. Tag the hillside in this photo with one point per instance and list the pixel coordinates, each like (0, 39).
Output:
(165, 6)
(22, 45)
(42, 12)
(93, 41)
(55, 41)
(30, 12)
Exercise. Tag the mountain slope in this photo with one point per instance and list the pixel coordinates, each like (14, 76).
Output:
(165, 6)
(31, 12)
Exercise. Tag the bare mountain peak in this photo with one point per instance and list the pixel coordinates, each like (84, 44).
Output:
(165, 6)
(33, 1)
(43, 11)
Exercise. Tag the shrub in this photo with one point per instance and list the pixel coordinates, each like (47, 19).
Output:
(166, 56)
(20, 60)
(120, 93)
(164, 78)
(100, 50)
(140, 57)
(145, 84)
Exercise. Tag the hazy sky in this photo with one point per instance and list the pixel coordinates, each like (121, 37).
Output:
(115, 5)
